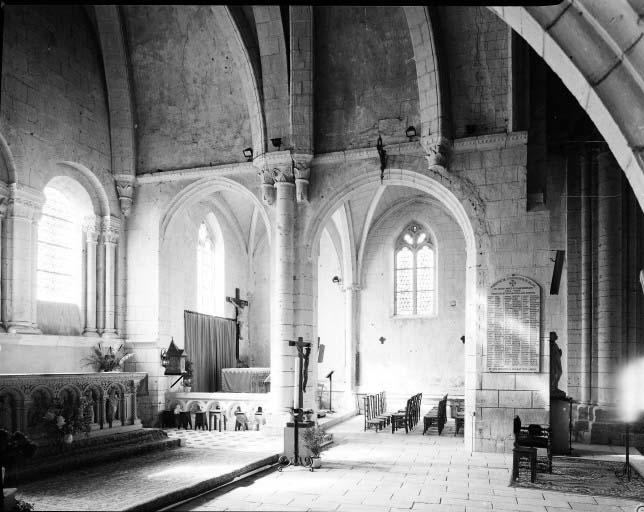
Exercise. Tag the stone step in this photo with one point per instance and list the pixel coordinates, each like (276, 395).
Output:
(91, 454)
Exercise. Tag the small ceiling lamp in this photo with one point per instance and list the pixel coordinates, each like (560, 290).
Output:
(277, 142)
(173, 360)
(336, 280)
(248, 154)
(410, 133)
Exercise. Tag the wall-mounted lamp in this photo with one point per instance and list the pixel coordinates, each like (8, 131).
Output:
(410, 133)
(463, 339)
(382, 340)
(277, 142)
(248, 154)
(336, 280)
(173, 360)
(382, 153)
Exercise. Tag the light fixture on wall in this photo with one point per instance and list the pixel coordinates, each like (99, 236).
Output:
(463, 339)
(382, 340)
(410, 133)
(382, 153)
(336, 280)
(276, 142)
(173, 360)
(248, 154)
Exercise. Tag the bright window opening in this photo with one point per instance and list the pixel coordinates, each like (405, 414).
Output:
(205, 272)
(415, 273)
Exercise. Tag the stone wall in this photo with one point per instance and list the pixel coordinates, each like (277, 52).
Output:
(420, 354)
(520, 244)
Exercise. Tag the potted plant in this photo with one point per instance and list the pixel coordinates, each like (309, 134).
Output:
(313, 438)
(63, 424)
(107, 360)
(187, 377)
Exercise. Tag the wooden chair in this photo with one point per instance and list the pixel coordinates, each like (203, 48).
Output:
(459, 417)
(533, 436)
(369, 420)
(380, 408)
(401, 419)
(437, 416)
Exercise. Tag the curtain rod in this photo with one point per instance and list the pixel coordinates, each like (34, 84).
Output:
(204, 314)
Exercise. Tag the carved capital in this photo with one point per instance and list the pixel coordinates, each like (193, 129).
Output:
(110, 230)
(284, 174)
(437, 150)
(125, 191)
(266, 177)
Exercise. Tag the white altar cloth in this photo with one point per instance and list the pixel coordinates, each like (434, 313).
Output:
(244, 380)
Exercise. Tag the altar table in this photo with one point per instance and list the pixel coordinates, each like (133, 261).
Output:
(244, 380)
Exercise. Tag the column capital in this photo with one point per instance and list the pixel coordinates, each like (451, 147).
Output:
(110, 229)
(438, 150)
(90, 229)
(125, 189)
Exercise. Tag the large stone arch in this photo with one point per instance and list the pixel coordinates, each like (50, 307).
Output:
(104, 205)
(7, 162)
(250, 81)
(434, 114)
(119, 89)
(272, 51)
(465, 206)
(201, 189)
(596, 49)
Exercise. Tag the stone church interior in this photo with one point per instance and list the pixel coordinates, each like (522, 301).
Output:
(234, 236)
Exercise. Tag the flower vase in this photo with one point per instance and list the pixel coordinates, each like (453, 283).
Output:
(317, 462)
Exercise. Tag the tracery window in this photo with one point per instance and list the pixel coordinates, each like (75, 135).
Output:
(205, 272)
(414, 272)
(59, 250)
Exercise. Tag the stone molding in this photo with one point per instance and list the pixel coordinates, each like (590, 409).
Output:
(125, 190)
(25, 202)
(352, 155)
(354, 287)
(491, 141)
(26, 383)
(193, 173)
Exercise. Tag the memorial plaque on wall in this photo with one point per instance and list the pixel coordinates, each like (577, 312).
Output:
(513, 325)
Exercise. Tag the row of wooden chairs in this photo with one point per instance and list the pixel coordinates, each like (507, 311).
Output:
(375, 411)
(436, 416)
(409, 416)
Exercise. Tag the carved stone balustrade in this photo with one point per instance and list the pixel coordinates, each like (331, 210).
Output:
(26, 398)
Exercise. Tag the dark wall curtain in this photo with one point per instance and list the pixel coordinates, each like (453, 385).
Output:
(210, 345)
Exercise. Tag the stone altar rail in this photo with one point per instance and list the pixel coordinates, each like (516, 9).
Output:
(227, 402)
(25, 399)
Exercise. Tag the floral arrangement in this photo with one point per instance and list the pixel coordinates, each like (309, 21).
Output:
(62, 421)
(313, 439)
(109, 360)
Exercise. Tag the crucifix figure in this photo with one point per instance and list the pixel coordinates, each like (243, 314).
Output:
(239, 303)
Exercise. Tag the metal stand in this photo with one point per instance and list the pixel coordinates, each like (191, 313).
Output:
(330, 377)
(627, 465)
(303, 352)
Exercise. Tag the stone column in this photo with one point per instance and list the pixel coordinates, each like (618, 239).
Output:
(109, 238)
(91, 240)
(609, 293)
(586, 263)
(352, 324)
(20, 259)
(283, 357)
(4, 202)
(125, 189)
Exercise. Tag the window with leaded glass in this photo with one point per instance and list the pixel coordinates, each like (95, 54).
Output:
(205, 272)
(414, 273)
(59, 260)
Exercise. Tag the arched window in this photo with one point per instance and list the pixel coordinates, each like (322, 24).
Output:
(414, 273)
(205, 272)
(59, 263)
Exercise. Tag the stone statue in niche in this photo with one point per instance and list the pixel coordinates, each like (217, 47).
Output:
(555, 367)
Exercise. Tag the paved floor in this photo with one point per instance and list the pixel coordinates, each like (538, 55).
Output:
(368, 471)
(138, 480)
